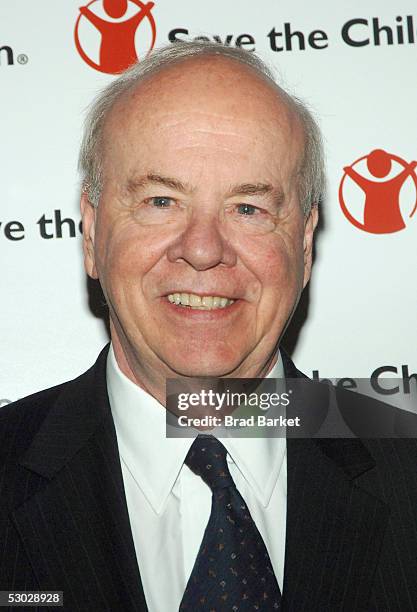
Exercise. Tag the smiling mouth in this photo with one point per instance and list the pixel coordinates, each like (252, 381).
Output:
(198, 302)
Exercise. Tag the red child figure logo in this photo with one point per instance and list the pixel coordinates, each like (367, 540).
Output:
(117, 47)
(382, 213)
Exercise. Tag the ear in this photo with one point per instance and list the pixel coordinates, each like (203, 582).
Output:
(310, 225)
(88, 216)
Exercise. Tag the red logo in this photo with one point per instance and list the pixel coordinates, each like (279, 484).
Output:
(110, 35)
(378, 192)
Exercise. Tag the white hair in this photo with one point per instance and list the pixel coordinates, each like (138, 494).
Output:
(311, 180)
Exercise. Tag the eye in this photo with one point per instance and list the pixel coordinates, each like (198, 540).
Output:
(160, 202)
(247, 209)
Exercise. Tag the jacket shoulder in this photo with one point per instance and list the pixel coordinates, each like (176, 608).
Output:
(20, 420)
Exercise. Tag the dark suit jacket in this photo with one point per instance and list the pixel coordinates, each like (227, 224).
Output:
(351, 522)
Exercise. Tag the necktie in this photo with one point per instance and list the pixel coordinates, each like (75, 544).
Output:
(233, 570)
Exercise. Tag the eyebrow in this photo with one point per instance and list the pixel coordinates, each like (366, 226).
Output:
(157, 179)
(167, 181)
(251, 189)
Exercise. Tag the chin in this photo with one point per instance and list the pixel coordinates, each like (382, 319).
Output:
(203, 367)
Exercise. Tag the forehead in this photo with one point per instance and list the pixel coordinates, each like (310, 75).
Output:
(202, 102)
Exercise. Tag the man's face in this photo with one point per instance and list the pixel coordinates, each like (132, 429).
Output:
(190, 157)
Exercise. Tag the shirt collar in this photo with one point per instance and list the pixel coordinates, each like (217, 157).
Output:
(155, 461)
(259, 459)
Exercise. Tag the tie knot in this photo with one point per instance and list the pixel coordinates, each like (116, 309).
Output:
(207, 458)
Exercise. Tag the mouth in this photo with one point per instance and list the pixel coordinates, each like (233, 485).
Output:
(192, 301)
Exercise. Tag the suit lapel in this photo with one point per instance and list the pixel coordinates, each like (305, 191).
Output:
(334, 526)
(74, 522)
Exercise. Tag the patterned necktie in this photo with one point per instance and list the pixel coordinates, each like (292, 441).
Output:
(232, 570)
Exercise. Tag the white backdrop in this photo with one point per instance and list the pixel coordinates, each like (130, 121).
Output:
(358, 72)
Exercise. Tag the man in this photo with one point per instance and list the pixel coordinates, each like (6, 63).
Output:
(201, 184)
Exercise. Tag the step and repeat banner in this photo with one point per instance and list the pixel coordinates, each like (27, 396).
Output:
(354, 63)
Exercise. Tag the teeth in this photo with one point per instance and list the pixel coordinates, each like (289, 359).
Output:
(207, 301)
(185, 299)
(194, 301)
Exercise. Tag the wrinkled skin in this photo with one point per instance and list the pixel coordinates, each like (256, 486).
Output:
(211, 124)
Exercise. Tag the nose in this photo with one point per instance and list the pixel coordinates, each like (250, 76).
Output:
(202, 244)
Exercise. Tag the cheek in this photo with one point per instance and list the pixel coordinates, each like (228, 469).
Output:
(282, 285)
(125, 252)
(276, 265)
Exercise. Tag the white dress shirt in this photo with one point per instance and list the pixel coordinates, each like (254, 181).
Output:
(169, 506)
